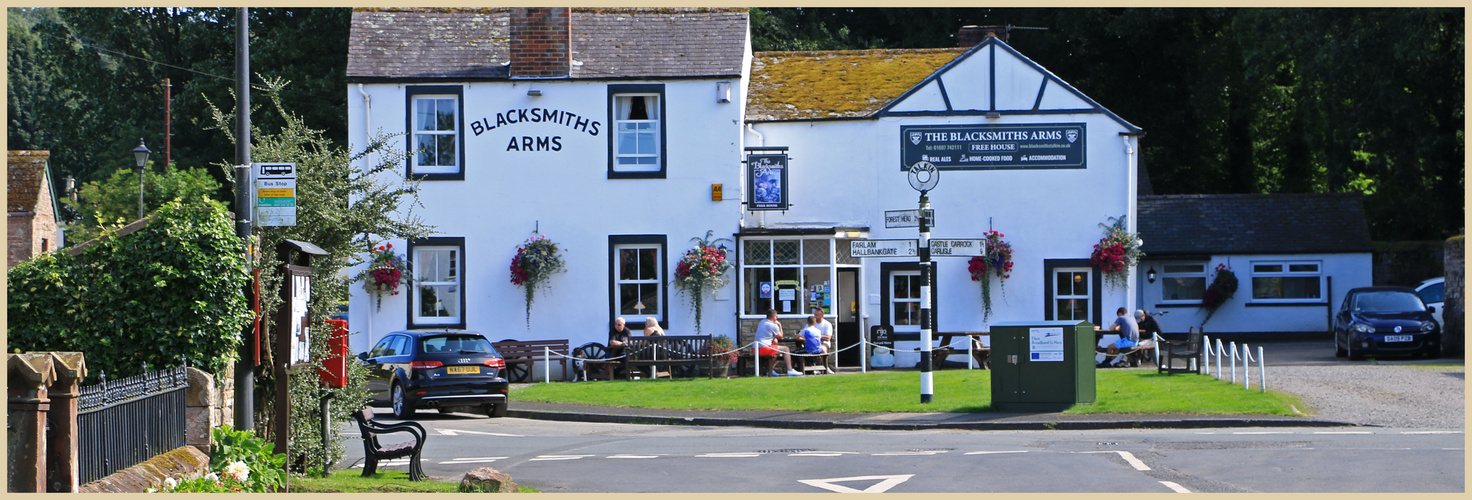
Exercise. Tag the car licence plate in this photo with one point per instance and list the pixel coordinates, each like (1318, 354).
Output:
(461, 370)
(1398, 338)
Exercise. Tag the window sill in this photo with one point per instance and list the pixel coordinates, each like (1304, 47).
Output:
(456, 176)
(1178, 304)
(1286, 304)
(653, 174)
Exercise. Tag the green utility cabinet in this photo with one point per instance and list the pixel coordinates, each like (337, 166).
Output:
(1042, 365)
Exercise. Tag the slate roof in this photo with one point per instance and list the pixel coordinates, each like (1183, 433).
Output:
(1235, 224)
(836, 83)
(473, 44)
(25, 177)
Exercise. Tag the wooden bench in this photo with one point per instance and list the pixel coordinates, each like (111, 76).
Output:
(671, 350)
(521, 357)
(1187, 351)
(805, 362)
(373, 450)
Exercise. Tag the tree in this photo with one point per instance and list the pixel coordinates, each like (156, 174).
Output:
(115, 200)
(341, 208)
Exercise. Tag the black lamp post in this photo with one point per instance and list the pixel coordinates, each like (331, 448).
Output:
(140, 157)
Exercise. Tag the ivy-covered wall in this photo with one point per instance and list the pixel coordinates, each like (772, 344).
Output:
(171, 290)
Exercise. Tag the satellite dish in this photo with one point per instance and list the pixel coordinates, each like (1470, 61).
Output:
(924, 176)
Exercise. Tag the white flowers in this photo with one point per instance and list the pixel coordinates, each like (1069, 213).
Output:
(170, 483)
(214, 478)
(238, 470)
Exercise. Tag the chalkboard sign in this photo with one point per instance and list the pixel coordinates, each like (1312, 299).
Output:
(882, 335)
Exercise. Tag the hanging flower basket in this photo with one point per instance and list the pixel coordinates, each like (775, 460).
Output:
(384, 274)
(534, 264)
(997, 262)
(702, 271)
(1116, 252)
(1223, 287)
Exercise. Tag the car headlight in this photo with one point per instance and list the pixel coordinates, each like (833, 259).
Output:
(1427, 326)
(1362, 328)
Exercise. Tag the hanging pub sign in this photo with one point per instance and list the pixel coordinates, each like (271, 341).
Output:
(993, 147)
(766, 181)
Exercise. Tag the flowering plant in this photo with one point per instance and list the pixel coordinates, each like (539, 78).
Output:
(535, 262)
(997, 262)
(718, 347)
(702, 271)
(1223, 286)
(1116, 252)
(384, 272)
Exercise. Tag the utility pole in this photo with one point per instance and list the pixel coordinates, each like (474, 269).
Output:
(168, 123)
(245, 369)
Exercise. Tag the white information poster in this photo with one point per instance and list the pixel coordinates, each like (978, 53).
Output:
(300, 346)
(1045, 344)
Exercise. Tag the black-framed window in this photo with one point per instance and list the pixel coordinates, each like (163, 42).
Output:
(437, 292)
(1287, 281)
(1182, 283)
(1072, 289)
(435, 120)
(906, 274)
(638, 271)
(636, 142)
(780, 273)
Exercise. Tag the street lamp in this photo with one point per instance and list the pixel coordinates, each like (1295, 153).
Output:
(140, 157)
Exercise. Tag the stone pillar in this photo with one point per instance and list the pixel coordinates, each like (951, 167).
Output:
(62, 462)
(202, 409)
(27, 402)
(1453, 333)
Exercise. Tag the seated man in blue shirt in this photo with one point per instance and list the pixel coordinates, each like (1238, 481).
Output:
(1129, 337)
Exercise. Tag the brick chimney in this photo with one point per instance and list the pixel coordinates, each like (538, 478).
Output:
(541, 42)
(971, 35)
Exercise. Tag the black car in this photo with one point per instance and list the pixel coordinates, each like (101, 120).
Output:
(450, 370)
(1385, 320)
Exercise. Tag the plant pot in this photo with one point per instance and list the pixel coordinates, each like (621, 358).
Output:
(720, 370)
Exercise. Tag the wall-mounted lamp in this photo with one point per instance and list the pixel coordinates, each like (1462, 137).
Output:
(1150, 275)
(534, 93)
(993, 115)
(723, 92)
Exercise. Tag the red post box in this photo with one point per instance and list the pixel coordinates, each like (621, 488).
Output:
(334, 370)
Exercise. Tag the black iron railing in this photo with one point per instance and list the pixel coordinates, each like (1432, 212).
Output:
(124, 422)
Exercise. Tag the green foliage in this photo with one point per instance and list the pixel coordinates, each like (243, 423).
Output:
(231, 446)
(384, 481)
(327, 178)
(169, 291)
(115, 199)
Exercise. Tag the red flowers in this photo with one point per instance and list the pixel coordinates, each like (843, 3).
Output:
(998, 261)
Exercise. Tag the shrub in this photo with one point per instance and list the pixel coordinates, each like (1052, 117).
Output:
(171, 290)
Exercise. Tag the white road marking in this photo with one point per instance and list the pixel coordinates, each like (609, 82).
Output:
(481, 460)
(817, 454)
(992, 452)
(908, 453)
(393, 462)
(633, 456)
(558, 457)
(1128, 457)
(1431, 432)
(1175, 487)
(1261, 432)
(884, 484)
(728, 455)
(1343, 432)
(456, 432)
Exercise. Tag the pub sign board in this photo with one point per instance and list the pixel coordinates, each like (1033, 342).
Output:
(993, 147)
(766, 177)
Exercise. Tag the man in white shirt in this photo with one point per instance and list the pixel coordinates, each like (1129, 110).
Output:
(768, 332)
(825, 327)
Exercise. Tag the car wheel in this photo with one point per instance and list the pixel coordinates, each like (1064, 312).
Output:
(496, 411)
(1351, 353)
(1433, 354)
(1338, 351)
(403, 408)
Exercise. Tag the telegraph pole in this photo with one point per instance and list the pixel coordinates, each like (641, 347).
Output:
(245, 376)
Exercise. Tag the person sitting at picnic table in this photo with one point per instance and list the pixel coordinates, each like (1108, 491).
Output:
(1147, 323)
(617, 337)
(1129, 337)
(768, 333)
(652, 329)
(813, 340)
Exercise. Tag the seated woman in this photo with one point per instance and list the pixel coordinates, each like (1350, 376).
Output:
(652, 329)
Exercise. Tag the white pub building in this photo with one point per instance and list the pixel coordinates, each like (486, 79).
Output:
(621, 134)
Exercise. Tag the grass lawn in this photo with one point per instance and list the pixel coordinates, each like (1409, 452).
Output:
(390, 481)
(1118, 391)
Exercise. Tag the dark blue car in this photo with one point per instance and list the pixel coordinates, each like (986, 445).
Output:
(449, 370)
(1385, 321)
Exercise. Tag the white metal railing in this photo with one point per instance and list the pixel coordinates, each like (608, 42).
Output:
(1233, 354)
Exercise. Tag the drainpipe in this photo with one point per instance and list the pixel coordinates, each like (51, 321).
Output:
(367, 165)
(1131, 140)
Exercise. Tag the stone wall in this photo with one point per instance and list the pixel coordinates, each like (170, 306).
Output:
(1454, 312)
(1407, 263)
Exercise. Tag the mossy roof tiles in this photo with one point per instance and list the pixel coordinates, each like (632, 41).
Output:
(474, 44)
(25, 175)
(836, 83)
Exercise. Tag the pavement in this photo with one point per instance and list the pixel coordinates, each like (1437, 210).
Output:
(1298, 352)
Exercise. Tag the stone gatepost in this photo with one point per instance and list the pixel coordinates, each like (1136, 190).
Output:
(201, 412)
(62, 462)
(27, 403)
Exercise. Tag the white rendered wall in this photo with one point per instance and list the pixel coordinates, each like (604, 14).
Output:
(1241, 314)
